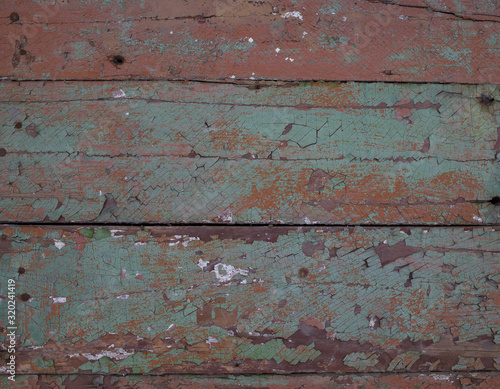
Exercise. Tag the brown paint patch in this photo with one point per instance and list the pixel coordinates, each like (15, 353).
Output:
(204, 315)
(287, 129)
(427, 145)
(312, 321)
(303, 272)
(224, 318)
(31, 130)
(310, 248)
(389, 254)
(317, 180)
(3, 152)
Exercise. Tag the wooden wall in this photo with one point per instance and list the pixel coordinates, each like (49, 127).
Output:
(250, 194)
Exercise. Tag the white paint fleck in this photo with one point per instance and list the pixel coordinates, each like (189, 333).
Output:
(202, 264)
(100, 193)
(123, 296)
(344, 18)
(426, 231)
(139, 338)
(402, 232)
(289, 59)
(114, 232)
(477, 218)
(126, 113)
(59, 244)
(171, 327)
(119, 94)
(226, 216)
(233, 76)
(307, 220)
(304, 34)
(229, 272)
(250, 40)
(211, 340)
(171, 32)
(140, 244)
(277, 49)
(403, 17)
(111, 345)
(117, 354)
(293, 14)
(58, 300)
(243, 282)
(385, 241)
(372, 323)
(441, 377)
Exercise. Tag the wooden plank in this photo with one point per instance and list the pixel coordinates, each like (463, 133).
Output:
(290, 153)
(219, 299)
(486, 380)
(446, 41)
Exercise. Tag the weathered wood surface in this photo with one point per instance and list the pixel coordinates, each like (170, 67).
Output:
(477, 380)
(253, 299)
(295, 153)
(412, 40)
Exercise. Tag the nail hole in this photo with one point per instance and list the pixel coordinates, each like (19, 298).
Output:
(495, 200)
(25, 297)
(3, 152)
(18, 125)
(117, 60)
(21, 270)
(22, 52)
(303, 272)
(14, 17)
(486, 99)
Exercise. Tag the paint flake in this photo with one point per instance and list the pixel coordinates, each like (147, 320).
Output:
(293, 14)
(58, 300)
(119, 94)
(59, 244)
(229, 272)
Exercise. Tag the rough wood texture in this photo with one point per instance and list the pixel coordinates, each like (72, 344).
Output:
(478, 380)
(295, 153)
(253, 299)
(412, 40)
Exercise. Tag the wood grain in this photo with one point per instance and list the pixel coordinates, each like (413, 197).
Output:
(478, 380)
(412, 40)
(219, 299)
(370, 153)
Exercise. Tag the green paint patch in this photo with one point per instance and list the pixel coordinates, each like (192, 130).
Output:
(361, 361)
(87, 232)
(102, 233)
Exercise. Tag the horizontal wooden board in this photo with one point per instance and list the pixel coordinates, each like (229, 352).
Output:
(166, 152)
(219, 299)
(414, 40)
(479, 380)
